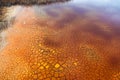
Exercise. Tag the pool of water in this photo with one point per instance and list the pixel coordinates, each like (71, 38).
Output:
(68, 40)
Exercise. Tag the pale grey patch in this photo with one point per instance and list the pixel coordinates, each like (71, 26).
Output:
(3, 42)
(3, 26)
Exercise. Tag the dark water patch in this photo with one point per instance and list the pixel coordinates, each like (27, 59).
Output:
(51, 12)
(50, 42)
(114, 61)
(67, 19)
(56, 9)
(95, 29)
(114, 26)
(76, 36)
(116, 31)
(78, 9)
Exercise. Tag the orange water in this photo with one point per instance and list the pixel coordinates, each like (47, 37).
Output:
(77, 40)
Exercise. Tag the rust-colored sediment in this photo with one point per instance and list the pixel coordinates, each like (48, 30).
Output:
(60, 48)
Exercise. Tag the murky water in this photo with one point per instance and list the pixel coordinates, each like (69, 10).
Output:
(72, 40)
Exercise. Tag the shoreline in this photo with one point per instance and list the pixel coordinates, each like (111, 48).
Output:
(29, 2)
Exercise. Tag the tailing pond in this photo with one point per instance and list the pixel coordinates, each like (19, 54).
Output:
(60, 40)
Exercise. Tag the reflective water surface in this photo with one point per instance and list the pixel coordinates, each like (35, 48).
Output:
(74, 40)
